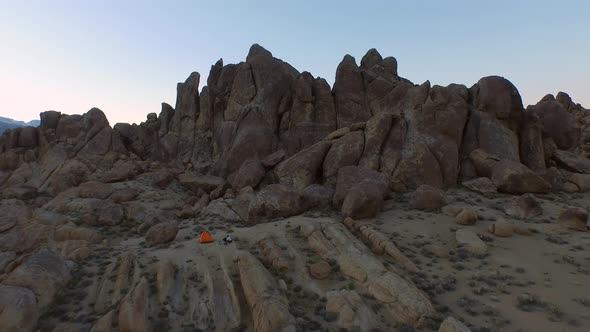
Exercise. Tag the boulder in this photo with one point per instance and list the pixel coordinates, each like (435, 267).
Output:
(497, 96)
(502, 228)
(481, 185)
(338, 133)
(253, 137)
(27, 137)
(124, 195)
(557, 122)
(111, 214)
(555, 177)
(549, 148)
(428, 198)
(182, 124)
(574, 218)
(9, 160)
(349, 94)
(196, 182)
(452, 210)
(363, 200)
(483, 162)
(376, 132)
(569, 187)
(403, 300)
(218, 192)
(320, 270)
(495, 136)
(381, 244)
(466, 217)
(469, 241)
(95, 189)
(425, 159)
(160, 179)
(7, 222)
(531, 149)
(270, 308)
(18, 309)
(275, 201)
(220, 208)
(74, 250)
(346, 151)
(202, 203)
(134, 311)
(22, 192)
(45, 273)
(49, 120)
(304, 167)
(515, 178)
(73, 233)
(582, 181)
(86, 210)
(5, 259)
(317, 196)
(65, 174)
(166, 271)
(121, 171)
(249, 174)
(274, 158)
(241, 204)
(186, 212)
(350, 176)
(350, 309)
(572, 162)
(439, 251)
(161, 233)
(68, 126)
(525, 207)
(276, 256)
(350, 266)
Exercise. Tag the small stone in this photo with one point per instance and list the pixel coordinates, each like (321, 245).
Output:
(320, 270)
(437, 250)
(470, 242)
(451, 210)
(574, 218)
(282, 285)
(502, 228)
(452, 325)
(466, 217)
(525, 207)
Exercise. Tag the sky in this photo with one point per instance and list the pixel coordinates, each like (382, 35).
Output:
(125, 57)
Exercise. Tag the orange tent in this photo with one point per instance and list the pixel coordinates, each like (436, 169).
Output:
(206, 237)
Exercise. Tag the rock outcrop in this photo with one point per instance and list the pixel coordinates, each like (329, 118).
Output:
(263, 115)
(261, 141)
(400, 297)
(270, 308)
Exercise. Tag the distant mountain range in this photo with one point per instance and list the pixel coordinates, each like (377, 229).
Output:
(7, 123)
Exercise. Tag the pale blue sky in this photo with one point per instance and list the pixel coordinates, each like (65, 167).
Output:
(126, 57)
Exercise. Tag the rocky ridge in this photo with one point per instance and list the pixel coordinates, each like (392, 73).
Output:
(262, 142)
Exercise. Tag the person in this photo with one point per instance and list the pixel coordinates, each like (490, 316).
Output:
(227, 240)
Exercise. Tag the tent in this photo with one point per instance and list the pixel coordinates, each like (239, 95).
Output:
(206, 237)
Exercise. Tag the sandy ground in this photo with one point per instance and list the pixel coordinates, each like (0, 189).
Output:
(538, 282)
(551, 265)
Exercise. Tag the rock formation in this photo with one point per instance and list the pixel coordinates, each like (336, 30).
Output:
(262, 141)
